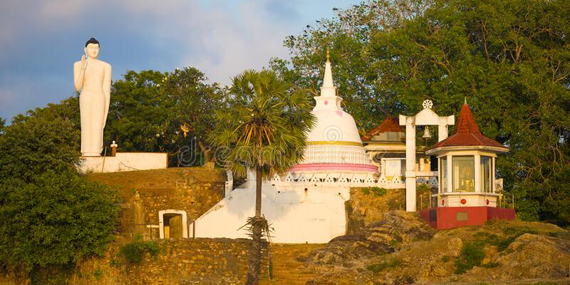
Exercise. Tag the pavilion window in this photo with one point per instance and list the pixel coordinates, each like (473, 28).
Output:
(463, 174)
(486, 173)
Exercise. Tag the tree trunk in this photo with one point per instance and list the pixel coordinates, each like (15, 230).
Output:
(255, 254)
(205, 150)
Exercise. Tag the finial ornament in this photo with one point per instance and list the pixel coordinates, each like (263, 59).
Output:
(428, 104)
(465, 99)
(328, 55)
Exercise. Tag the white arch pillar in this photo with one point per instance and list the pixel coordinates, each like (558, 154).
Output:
(426, 117)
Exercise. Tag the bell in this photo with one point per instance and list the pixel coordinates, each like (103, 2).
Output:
(426, 135)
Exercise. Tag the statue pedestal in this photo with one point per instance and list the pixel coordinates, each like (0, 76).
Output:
(123, 161)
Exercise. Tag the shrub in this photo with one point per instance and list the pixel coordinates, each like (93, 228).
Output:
(472, 254)
(376, 191)
(55, 219)
(134, 251)
(514, 233)
(384, 265)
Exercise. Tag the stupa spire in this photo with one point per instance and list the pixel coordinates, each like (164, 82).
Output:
(328, 89)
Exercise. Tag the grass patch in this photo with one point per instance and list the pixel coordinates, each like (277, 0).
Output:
(490, 265)
(384, 265)
(98, 273)
(376, 191)
(472, 254)
(513, 234)
(134, 251)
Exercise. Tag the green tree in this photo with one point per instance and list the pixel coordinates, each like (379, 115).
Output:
(196, 104)
(509, 58)
(50, 217)
(2, 125)
(36, 143)
(149, 108)
(55, 219)
(264, 128)
(348, 35)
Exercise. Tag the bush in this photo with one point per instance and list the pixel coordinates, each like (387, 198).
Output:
(56, 219)
(472, 254)
(376, 191)
(384, 265)
(133, 252)
(513, 233)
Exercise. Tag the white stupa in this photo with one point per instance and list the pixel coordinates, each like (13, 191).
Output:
(306, 204)
(334, 147)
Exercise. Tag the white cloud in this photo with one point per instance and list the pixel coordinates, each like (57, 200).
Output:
(220, 42)
(219, 37)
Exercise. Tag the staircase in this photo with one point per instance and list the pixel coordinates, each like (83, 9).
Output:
(286, 269)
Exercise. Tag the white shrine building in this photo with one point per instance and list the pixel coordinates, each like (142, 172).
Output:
(306, 204)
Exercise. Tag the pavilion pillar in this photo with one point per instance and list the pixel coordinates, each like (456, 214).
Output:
(450, 173)
(410, 164)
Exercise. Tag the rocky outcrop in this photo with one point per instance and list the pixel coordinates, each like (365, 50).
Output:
(530, 256)
(402, 249)
(386, 236)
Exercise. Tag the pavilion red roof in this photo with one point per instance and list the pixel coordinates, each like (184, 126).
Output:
(466, 133)
(390, 124)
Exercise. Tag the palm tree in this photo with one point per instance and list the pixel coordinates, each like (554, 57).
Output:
(264, 128)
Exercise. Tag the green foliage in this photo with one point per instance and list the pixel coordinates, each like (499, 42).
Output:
(510, 59)
(264, 125)
(378, 267)
(422, 188)
(51, 275)
(490, 265)
(54, 219)
(44, 139)
(98, 273)
(472, 254)
(2, 125)
(376, 191)
(263, 128)
(149, 108)
(133, 252)
(50, 217)
(512, 235)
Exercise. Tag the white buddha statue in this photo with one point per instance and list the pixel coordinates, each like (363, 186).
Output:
(93, 78)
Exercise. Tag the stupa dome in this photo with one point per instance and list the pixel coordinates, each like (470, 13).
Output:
(334, 142)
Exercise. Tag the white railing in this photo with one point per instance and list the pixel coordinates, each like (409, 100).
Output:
(342, 179)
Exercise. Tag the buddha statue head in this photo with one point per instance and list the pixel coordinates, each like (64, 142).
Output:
(92, 48)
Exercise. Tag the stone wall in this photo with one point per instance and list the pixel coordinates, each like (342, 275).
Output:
(193, 190)
(183, 261)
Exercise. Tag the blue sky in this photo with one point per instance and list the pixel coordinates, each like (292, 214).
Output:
(40, 39)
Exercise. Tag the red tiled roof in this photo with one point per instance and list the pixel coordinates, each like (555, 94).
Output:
(390, 124)
(466, 133)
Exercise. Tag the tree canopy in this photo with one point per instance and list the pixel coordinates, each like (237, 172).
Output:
(150, 111)
(49, 215)
(510, 59)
